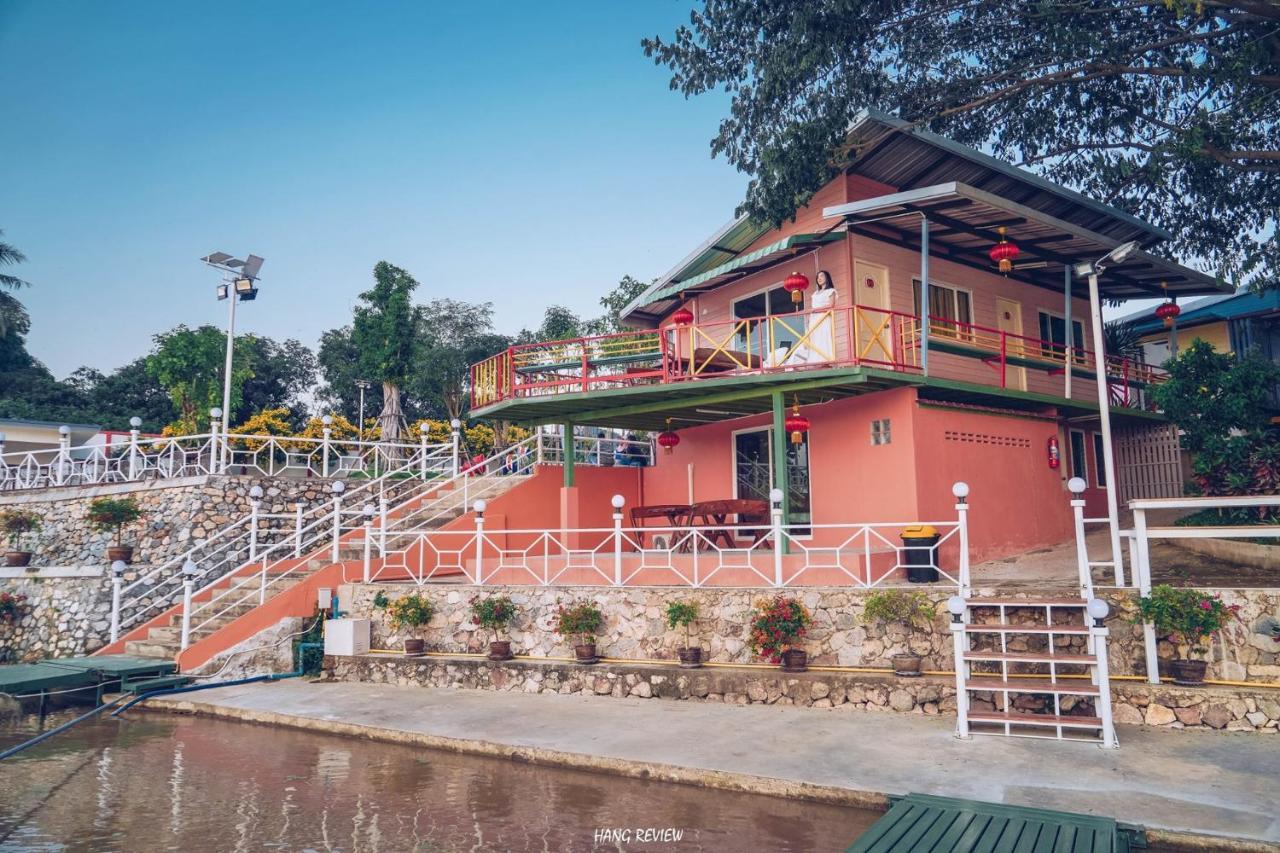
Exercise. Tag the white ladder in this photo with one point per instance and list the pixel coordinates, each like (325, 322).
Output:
(990, 668)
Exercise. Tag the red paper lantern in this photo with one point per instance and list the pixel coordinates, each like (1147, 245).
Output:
(1003, 253)
(1168, 312)
(682, 317)
(796, 424)
(668, 439)
(796, 284)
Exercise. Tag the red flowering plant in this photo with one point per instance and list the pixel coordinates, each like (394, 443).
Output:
(1188, 617)
(778, 624)
(11, 607)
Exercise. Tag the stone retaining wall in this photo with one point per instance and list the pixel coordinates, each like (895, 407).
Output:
(635, 627)
(62, 616)
(1253, 710)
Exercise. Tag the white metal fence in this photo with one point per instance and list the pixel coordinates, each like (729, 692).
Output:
(206, 453)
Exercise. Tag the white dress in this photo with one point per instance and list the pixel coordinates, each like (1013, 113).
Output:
(821, 328)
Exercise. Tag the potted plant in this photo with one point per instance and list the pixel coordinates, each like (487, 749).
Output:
(411, 611)
(682, 614)
(898, 607)
(1189, 618)
(580, 622)
(11, 607)
(112, 515)
(493, 614)
(778, 624)
(15, 523)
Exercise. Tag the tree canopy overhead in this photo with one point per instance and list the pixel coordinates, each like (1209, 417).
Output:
(1167, 109)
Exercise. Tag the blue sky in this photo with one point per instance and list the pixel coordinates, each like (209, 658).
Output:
(517, 153)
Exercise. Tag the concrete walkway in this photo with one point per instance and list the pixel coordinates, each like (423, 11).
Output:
(1208, 784)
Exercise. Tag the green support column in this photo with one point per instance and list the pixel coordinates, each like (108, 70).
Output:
(780, 459)
(569, 453)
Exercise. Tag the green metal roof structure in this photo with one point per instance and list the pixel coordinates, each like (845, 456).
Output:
(919, 823)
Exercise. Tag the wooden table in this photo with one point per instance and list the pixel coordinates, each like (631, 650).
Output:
(673, 513)
(711, 518)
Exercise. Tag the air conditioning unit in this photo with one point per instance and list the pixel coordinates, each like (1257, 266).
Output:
(346, 637)
(661, 542)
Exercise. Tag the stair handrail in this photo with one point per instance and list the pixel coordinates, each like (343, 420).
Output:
(231, 537)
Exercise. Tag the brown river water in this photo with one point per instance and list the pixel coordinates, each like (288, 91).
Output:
(151, 782)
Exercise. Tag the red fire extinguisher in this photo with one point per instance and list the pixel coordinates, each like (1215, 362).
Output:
(1055, 455)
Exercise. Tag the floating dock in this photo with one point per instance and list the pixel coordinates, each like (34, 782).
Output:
(80, 678)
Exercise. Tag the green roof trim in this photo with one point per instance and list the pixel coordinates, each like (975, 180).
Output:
(795, 241)
(919, 823)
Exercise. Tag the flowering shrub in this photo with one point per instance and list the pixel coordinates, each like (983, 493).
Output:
(494, 613)
(895, 605)
(11, 607)
(1188, 616)
(410, 611)
(580, 621)
(778, 624)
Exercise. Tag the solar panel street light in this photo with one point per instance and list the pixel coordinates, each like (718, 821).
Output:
(240, 284)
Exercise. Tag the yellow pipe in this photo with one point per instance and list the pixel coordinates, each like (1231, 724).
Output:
(1265, 685)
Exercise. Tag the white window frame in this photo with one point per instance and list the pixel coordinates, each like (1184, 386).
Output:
(945, 331)
(733, 467)
(1080, 358)
(1084, 459)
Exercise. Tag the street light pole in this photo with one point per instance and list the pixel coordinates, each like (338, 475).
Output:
(241, 282)
(226, 378)
(362, 384)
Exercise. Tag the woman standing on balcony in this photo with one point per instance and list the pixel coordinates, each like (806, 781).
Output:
(820, 326)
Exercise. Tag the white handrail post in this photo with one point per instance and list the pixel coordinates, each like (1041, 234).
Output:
(455, 426)
(1098, 632)
(255, 501)
(134, 423)
(327, 434)
(64, 454)
(961, 492)
(1084, 572)
(479, 506)
(297, 529)
(338, 488)
(369, 510)
(422, 449)
(618, 502)
(188, 584)
(262, 583)
(382, 525)
(775, 514)
(1143, 576)
(539, 456)
(117, 578)
(956, 607)
(215, 416)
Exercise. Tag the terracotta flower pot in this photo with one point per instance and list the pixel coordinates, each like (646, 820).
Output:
(500, 650)
(690, 658)
(585, 653)
(415, 648)
(795, 660)
(906, 665)
(14, 559)
(1189, 673)
(123, 553)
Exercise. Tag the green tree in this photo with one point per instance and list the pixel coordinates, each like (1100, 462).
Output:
(451, 336)
(1168, 109)
(188, 364)
(338, 363)
(382, 334)
(613, 302)
(13, 317)
(282, 373)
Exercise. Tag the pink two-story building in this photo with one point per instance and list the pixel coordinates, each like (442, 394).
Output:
(927, 361)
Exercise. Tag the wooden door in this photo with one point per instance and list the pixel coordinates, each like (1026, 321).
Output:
(1009, 320)
(874, 340)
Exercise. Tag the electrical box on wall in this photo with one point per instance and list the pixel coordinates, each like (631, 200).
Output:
(346, 637)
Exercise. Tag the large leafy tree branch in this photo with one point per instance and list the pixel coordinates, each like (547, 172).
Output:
(1168, 109)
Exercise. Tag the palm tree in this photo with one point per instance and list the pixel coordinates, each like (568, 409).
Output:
(12, 314)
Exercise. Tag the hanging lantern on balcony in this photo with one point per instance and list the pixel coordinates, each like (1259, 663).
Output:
(796, 284)
(1002, 254)
(682, 316)
(1168, 312)
(796, 424)
(668, 438)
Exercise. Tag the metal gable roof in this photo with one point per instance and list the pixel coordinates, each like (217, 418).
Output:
(963, 222)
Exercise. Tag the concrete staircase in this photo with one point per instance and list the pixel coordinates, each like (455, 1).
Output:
(221, 611)
(1032, 667)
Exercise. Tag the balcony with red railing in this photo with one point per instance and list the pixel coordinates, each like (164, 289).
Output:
(851, 337)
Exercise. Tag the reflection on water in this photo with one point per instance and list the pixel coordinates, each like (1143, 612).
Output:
(160, 782)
